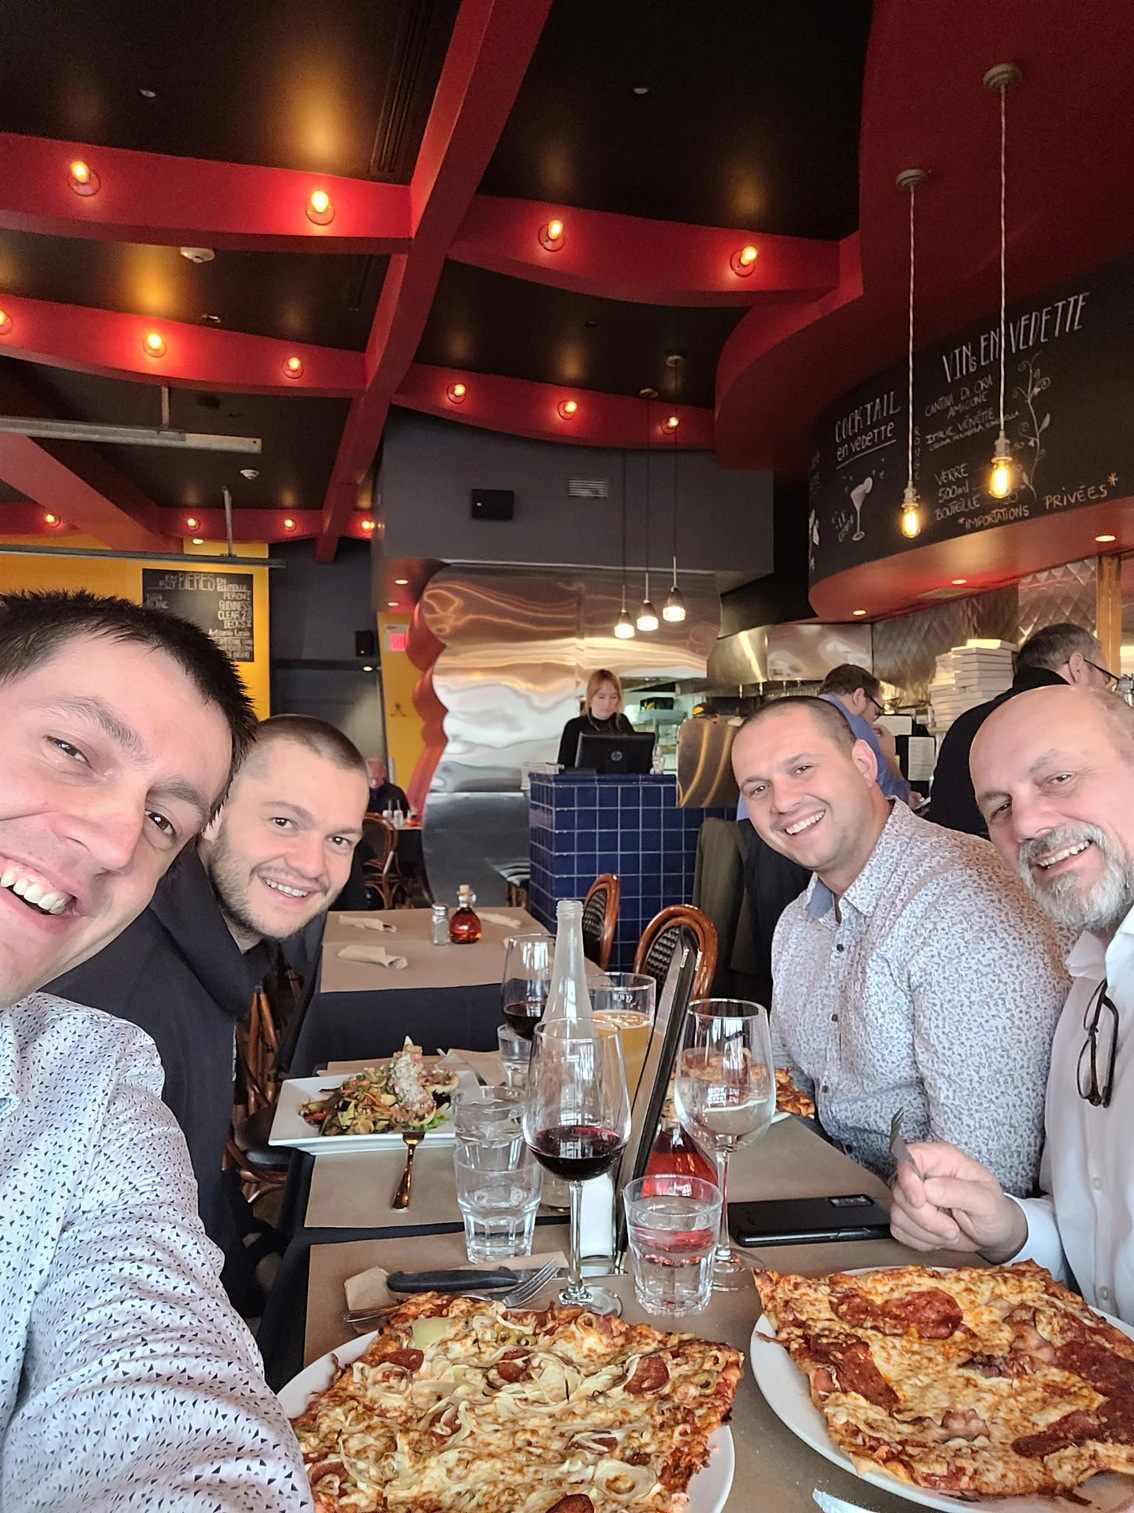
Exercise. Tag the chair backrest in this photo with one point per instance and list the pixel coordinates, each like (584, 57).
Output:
(600, 915)
(383, 837)
(257, 1048)
(675, 926)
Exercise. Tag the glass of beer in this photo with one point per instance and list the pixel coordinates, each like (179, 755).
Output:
(625, 1002)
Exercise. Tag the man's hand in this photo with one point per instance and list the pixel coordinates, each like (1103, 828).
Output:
(959, 1206)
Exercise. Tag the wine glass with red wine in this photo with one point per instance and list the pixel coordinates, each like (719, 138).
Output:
(528, 961)
(577, 1122)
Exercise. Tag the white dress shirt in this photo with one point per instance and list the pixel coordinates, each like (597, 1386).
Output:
(126, 1380)
(933, 987)
(1083, 1228)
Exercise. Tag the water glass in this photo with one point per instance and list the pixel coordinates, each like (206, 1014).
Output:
(490, 1119)
(516, 1054)
(498, 1203)
(672, 1221)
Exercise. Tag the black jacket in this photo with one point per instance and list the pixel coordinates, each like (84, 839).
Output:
(951, 799)
(583, 724)
(177, 973)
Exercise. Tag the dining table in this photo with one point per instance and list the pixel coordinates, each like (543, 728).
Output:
(349, 1227)
(443, 996)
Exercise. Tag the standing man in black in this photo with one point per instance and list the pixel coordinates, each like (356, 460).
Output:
(1056, 654)
(271, 861)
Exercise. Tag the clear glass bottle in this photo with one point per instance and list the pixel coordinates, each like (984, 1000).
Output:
(464, 925)
(567, 997)
(439, 925)
(675, 1152)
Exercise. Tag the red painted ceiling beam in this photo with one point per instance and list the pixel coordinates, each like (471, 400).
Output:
(110, 343)
(647, 262)
(168, 201)
(75, 481)
(488, 55)
(522, 408)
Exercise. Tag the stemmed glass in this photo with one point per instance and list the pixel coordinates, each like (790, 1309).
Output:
(577, 1122)
(725, 1093)
(527, 978)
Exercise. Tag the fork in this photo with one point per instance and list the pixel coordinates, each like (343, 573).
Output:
(401, 1198)
(515, 1297)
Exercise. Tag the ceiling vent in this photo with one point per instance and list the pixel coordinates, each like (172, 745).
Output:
(588, 488)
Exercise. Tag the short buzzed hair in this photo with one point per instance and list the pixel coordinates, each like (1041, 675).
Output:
(832, 720)
(848, 678)
(325, 740)
(1054, 645)
(37, 626)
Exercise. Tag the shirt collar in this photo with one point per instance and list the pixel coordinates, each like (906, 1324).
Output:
(863, 892)
(1092, 957)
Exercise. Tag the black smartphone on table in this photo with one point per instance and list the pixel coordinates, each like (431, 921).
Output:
(808, 1221)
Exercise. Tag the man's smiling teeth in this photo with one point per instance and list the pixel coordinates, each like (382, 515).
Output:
(812, 819)
(282, 888)
(1061, 856)
(47, 901)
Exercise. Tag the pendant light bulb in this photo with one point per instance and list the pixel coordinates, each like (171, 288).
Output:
(1000, 478)
(674, 608)
(624, 627)
(911, 513)
(647, 614)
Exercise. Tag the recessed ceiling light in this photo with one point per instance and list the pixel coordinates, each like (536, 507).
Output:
(249, 473)
(641, 89)
(392, 603)
(320, 208)
(647, 393)
(858, 612)
(1104, 539)
(368, 669)
(210, 320)
(958, 581)
(147, 94)
(401, 582)
(82, 178)
(198, 540)
(197, 254)
(590, 324)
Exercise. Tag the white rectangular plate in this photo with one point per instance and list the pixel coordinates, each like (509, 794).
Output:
(289, 1128)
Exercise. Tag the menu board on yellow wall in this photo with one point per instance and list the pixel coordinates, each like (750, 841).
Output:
(220, 603)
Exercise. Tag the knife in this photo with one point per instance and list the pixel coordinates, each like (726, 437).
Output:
(898, 1147)
(450, 1281)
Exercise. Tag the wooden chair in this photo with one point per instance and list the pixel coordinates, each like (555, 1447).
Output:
(600, 915)
(666, 933)
(260, 1165)
(384, 880)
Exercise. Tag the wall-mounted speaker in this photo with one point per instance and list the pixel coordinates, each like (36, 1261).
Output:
(493, 504)
(365, 643)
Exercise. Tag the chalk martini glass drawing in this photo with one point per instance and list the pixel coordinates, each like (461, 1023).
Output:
(857, 495)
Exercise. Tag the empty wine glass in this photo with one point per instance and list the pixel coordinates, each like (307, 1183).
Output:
(725, 1093)
(577, 1122)
(527, 978)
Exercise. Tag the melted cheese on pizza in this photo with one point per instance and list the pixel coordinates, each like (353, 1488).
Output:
(789, 1098)
(461, 1405)
(990, 1381)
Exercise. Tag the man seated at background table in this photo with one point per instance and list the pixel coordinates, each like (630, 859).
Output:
(915, 973)
(1054, 777)
(384, 794)
(126, 1380)
(266, 865)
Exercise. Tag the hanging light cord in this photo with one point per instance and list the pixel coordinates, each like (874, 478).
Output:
(1003, 240)
(623, 530)
(647, 594)
(909, 435)
(674, 439)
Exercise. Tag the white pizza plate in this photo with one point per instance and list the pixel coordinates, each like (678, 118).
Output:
(291, 1129)
(708, 1490)
(786, 1391)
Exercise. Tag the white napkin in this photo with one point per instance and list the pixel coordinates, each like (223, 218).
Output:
(369, 1288)
(506, 920)
(486, 1065)
(596, 1226)
(367, 922)
(831, 1504)
(377, 956)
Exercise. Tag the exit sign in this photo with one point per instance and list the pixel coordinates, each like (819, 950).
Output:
(395, 638)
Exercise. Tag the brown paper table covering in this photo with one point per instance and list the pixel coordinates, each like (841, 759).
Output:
(774, 1470)
(427, 965)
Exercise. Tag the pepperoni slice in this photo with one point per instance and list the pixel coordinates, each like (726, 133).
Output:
(511, 1371)
(852, 1366)
(931, 1312)
(410, 1359)
(1107, 1372)
(650, 1375)
(1073, 1429)
(574, 1502)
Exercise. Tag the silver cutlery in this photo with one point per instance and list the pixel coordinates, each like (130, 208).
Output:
(362, 1319)
(401, 1198)
(898, 1147)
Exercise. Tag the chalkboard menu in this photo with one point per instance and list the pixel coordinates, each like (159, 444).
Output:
(1068, 402)
(220, 603)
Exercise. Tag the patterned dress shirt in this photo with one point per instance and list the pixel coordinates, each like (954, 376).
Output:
(126, 1380)
(932, 986)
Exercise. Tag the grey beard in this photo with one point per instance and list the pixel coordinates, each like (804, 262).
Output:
(1103, 907)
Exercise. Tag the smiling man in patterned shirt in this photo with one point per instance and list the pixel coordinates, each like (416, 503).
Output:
(915, 973)
(126, 1381)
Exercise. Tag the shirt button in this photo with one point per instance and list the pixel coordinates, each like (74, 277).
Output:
(1104, 1293)
(839, 945)
(1096, 1184)
(824, 1089)
(834, 1019)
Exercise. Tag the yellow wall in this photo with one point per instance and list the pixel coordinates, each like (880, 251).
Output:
(123, 576)
(403, 727)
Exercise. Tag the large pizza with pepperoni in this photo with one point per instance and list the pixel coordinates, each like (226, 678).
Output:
(462, 1405)
(981, 1381)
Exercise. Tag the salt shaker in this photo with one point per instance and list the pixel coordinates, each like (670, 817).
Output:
(439, 925)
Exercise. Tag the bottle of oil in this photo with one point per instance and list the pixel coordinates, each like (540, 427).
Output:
(464, 924)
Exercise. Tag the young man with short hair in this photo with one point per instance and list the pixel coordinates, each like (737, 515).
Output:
(126, 1380)
(270, 862)
(915, 974)
(1054, 776)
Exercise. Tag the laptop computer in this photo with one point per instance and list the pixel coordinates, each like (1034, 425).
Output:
(615, 755)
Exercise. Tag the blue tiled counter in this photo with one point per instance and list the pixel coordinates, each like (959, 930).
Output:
(582, 824)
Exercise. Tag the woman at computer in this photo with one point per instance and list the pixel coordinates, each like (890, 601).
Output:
(602, 715)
